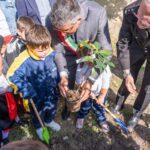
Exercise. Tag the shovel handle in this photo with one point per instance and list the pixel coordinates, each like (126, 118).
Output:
(36, 112)
(107, 110)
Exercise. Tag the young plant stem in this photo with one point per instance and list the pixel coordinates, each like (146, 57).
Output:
(82, 80)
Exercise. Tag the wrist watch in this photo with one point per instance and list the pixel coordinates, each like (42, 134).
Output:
(125, 74)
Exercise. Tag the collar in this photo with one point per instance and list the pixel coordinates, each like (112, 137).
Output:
(32, 54)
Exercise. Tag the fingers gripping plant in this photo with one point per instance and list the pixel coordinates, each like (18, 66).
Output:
(99, 59)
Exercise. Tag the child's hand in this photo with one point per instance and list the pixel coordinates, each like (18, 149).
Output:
(100, 99)
(92, 95)
(86, 91)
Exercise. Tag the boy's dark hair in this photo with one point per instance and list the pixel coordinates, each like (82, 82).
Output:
(38, 36)
(25, 145)
(24, 23)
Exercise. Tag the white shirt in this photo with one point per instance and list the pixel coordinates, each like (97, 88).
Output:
(44, 8)
(4, 29)
(4, 85)
(101, 81)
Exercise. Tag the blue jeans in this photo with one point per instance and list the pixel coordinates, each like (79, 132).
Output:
(91, 104)
(9, 10)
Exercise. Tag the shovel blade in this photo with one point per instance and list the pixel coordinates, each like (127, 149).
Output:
(46, 136)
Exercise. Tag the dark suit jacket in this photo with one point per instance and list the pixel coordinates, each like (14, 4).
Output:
(93, 27)
(29, 8)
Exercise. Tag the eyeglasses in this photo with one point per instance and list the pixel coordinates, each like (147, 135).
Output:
(66, 30)
(72, 25)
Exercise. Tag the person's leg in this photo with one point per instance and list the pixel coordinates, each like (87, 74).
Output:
(143, 99)
(1, 139)
(49, 113)
(4, 137)
(84, 110)
(100, 116)
(71, 77)
(35, 120)
(123, 92)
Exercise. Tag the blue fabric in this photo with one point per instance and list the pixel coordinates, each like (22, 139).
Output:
(47, 110)
(91, 104)
(36, 79)
(29, 8)
(9, 10)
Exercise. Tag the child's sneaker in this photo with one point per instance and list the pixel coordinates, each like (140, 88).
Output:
(40, 133)
(104, 126)
(53, 125)
(79, 123)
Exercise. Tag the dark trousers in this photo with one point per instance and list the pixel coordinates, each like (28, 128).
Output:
(71, 77)
(89, 104)
(46, 110)
(143, 97)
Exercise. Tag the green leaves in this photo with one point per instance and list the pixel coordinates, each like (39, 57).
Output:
(105, 53)
(97, 45)
(89, 59)
(101, 59)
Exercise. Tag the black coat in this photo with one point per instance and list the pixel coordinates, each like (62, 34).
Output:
(133, 43)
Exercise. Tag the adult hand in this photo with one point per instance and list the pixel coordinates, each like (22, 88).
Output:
(86, 90)
(129, 82)
(63, 86)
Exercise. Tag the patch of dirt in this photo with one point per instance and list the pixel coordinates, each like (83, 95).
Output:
(91, 136)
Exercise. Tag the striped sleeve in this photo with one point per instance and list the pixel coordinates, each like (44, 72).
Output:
(16, 76)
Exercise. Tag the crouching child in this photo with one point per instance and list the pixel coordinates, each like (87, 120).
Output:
(34, 75)
(100, 85)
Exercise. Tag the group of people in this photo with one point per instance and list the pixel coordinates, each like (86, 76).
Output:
(38, 60)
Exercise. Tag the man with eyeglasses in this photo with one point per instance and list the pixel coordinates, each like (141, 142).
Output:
(133, 50)
(73, 21)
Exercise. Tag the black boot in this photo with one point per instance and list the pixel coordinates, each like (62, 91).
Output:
(119, 104)
(65, 113)
(134, 121)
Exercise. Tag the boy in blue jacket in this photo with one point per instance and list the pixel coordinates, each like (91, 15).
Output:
(34, 75)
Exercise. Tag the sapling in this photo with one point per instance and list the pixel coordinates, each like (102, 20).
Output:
(97, 59)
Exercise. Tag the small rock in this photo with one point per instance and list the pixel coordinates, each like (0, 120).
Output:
(95, 129)
(65, 138)
(24, 138)
(69, 119)
(90, 124)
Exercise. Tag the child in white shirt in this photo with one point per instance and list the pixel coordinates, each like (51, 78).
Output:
(100, 86)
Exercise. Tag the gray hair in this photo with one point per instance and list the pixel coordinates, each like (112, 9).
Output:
(64, 11)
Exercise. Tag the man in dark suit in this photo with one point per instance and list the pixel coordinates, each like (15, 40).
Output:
(38, 10)
(133, 50)
(71, 22)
